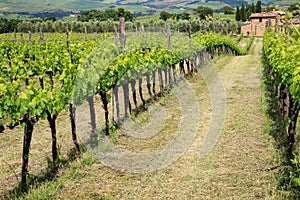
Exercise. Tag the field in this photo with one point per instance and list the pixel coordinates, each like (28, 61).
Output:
(237, 167)
(149, 115)
(33, 6)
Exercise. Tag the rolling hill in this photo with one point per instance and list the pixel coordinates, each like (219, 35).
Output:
(34, 6)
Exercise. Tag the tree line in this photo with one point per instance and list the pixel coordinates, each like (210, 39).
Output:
(244, 13)
(201, 11)
(109, 14)
(224, 26)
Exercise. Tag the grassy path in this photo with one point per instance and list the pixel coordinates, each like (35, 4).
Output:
(243, 153)
(237, 168)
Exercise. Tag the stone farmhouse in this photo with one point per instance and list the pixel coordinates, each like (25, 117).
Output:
(258, 22)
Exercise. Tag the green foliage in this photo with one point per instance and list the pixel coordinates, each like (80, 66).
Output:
(283, 55)
(295, 175)
(227, 10)
(295, 9)
(243, 13)
(164, 15)
(185, 16)
(111, 14)
(8, 25)
(238, 14)
(258, 7)
(203, 12)
(210, 41)
(37, 77)
(253, 8)
(282, 59)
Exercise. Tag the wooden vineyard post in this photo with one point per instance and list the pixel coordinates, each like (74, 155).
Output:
(169, 35)
(122, 33)
(115, 94)
(116, 97)
(169, 71)
(126, 100)
(29, 36)
(127, 104)
(86, 33)
(166, 76)
(174, 72)
(42, 39)
(144, 32)
(95, 36)
(160, 79)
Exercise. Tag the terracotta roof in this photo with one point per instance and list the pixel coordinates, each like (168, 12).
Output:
(266, 15)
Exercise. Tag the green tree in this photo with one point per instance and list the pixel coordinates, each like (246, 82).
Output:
(185, 16)
(227, 10)
(248, 11)
(3, 25)
(203, 11)
(164, 15)
(107, 14)
(253, 8)
(258, 7)
(110, 14)
(295, 9)
(121, 12)
(243, 13)
(237, 14)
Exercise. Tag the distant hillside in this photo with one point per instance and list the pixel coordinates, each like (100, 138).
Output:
(136, 6)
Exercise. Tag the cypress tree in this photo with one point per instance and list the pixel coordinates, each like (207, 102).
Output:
(243, 14)
(237, 14)
(252, 8)
(258, 7)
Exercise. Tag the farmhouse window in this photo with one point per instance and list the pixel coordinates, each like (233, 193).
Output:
(260, 19)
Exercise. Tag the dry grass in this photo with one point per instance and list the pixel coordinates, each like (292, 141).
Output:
(236, 169)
